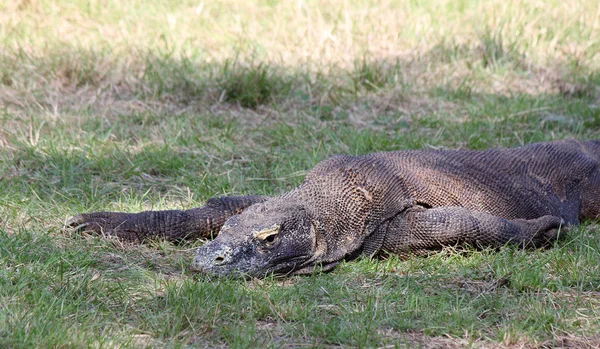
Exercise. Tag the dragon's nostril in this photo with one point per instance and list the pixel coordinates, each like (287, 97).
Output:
(219, 260)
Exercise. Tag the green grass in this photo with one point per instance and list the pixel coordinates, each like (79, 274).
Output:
(106, 106)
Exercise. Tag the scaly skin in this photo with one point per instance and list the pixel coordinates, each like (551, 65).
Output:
(202, 222)
(404, 202)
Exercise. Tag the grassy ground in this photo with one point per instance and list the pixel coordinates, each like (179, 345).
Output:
(108, 105)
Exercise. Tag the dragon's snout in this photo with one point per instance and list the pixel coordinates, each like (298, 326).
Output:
(211, 256)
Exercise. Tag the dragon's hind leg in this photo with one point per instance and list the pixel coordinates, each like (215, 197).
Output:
(431, 229)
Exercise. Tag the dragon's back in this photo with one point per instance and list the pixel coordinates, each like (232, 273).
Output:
(525, 182)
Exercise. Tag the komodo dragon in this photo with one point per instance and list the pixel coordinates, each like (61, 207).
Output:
(403, 202)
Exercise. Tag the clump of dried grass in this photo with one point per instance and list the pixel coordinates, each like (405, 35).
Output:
(125, 58)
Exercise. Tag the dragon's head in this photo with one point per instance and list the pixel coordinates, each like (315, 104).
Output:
(277, 236)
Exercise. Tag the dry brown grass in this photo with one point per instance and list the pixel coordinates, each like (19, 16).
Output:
(293, 32)
(73, 55)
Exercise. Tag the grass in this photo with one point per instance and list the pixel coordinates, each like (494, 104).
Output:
(111, 106)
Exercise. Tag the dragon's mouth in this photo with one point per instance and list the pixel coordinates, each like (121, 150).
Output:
(300, 265)
(316, 267)
(283, 266)
(224, 260)
(218, 259)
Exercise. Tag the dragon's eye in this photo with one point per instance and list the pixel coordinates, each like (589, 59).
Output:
(270, 239)
(268, 236)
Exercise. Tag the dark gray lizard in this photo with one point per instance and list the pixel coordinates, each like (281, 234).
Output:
(403, 202)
